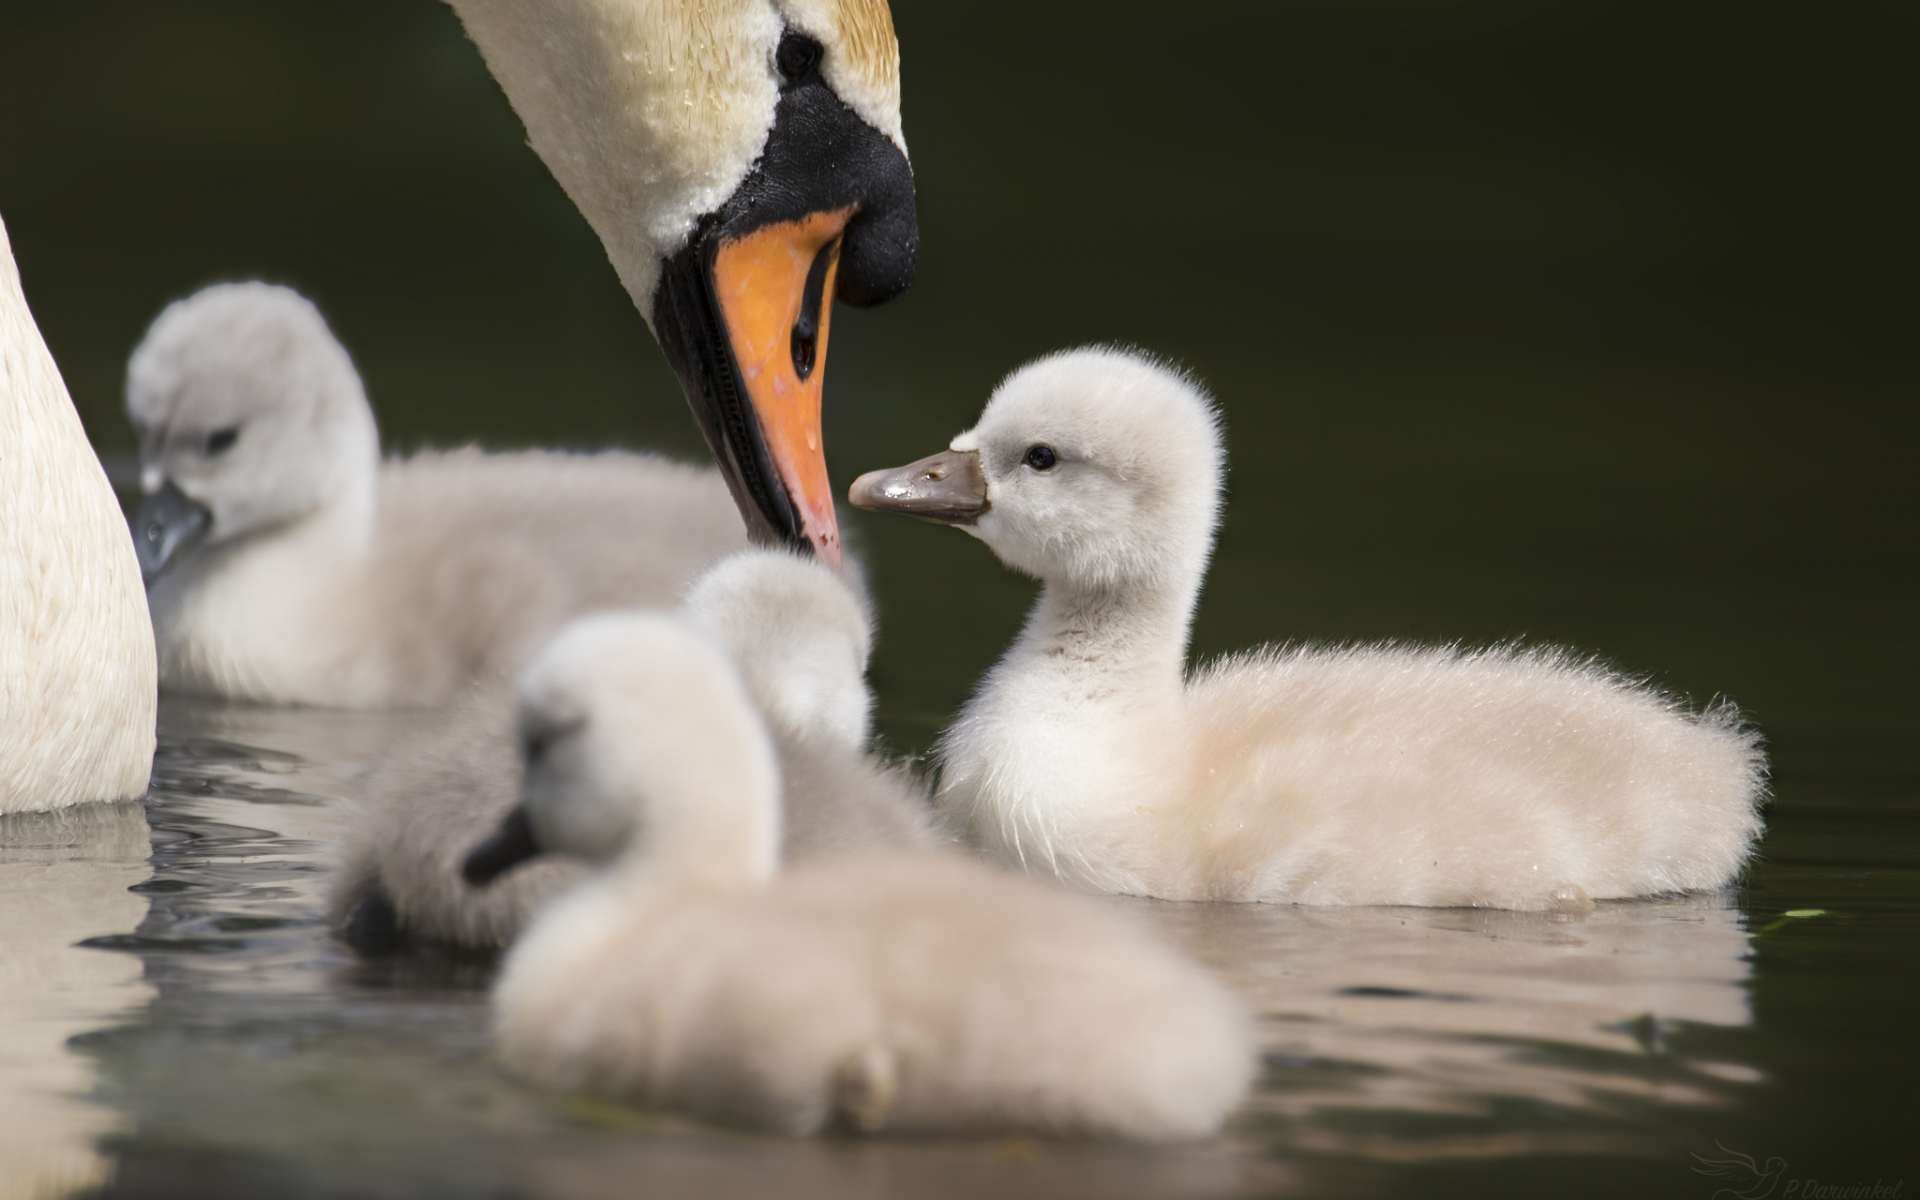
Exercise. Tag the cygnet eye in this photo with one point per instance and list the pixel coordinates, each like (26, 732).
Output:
(221, 440)
(534, 750)
(1041, 458)
(797, 56)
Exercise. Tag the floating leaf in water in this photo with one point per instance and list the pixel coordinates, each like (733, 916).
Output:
(1790, 916)
(587, 1111)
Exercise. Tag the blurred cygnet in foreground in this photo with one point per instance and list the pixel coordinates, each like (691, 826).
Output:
(286, 563)
(802, 638)
(1367, 775)
(899, 993)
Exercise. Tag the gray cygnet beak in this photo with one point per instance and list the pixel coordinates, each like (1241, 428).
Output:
(948, 489)
(167, 524)
(510, 845)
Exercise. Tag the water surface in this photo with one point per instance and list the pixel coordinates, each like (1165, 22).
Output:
(1404, 1050)
(1587, 323)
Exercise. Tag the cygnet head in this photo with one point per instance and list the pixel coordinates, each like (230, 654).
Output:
(639, 739)
(801, 638)
(249, 415)
(1097, 467)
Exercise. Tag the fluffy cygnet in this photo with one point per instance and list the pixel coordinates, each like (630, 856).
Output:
(1381, 775)
(802, 637)
(899, 993)
(287, 563)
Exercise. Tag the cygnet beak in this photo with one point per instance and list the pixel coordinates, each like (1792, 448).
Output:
(948, 489)
(167, 523)
(510, 845)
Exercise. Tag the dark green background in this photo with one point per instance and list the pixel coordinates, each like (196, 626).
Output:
(1585, 322)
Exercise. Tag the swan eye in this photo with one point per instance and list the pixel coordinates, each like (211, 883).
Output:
(221, 440)
(797, 56)
(1041, 458)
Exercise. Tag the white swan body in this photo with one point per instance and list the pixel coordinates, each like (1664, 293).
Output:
(325, 576)
(77, 676)
(802, 637)
(1383, 775)
(915, 993)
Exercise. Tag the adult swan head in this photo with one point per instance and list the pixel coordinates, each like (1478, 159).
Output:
(743, 164)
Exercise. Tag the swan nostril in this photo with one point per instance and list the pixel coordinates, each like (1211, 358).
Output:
(805, 345)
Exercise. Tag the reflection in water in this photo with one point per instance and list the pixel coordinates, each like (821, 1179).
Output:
(1459, 1012)
(271, 1057)
(64, 877)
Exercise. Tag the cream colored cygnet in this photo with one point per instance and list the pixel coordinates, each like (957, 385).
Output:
(288, 564)
(1368, 775)
(802, 637)
(77, 690)
(900, 993)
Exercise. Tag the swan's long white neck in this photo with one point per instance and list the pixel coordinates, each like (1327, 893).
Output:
(649, 114)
